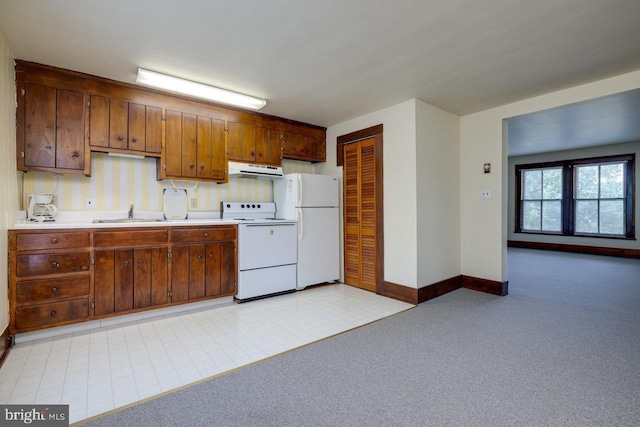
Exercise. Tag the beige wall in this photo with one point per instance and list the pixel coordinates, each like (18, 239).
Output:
(483, 222)
(399, 141)
(605, 150)
(117, 182)
(9, 198)
(438, 194)
(421, 157)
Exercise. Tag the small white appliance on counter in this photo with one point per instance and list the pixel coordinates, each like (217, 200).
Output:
(267, 249)
(312, 200)
(40, 208)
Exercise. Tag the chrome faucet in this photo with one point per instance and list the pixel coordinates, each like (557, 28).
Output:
(130, 212)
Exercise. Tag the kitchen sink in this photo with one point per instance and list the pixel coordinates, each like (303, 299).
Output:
(125, 220)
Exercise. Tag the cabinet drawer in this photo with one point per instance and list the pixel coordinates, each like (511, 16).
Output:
(51, 314)
(102, 239)
(33, 291)
(36, 265)
(26, 242)
(196, 235)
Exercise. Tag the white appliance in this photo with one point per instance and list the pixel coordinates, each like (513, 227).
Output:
(40, 208)
(254, 171)
(312, 200)
(267, 249)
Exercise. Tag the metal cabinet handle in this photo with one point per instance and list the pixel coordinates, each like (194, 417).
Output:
(140, 262)
(75, 154)
(206, 234)
(134, 139)
(54, 314)
(55, 264)
(54, 241)
(210, 256)
(125, 263)
(199, 256)
(120, 138)
(54, 290)
(191, 165)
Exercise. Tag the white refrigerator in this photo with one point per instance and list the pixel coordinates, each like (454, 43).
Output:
(312, 200)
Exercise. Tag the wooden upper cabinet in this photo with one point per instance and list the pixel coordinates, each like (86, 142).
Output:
(304, 147)
(195, 148)
(125, 126)
(50, 130)
(268, 147)
(242, 142)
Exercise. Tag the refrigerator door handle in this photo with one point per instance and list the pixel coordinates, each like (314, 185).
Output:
(299, 190)
(301, 222)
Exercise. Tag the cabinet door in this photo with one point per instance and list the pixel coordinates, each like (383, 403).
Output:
(69, 130)
(221, 269)
(40, 123)
(197, 271)
(118, 123)
(153, 130)
(189, 146)
(104, 282)
(204, 148)
(304, 147)
(242, 142)
(173, 144)
(228, 268)
(53, 128)
(99, 121)
(142, 278)
(268, 146)
(180, 273)
(288, 145)
(320, 150)
(137, 127)
(218, 151)
(123, 276)
(159, 276)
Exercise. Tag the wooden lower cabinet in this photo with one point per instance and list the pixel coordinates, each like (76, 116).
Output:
(206, 270)
(96, 273)
(129, 279)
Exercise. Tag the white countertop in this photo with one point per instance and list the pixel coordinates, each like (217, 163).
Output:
(84, 219)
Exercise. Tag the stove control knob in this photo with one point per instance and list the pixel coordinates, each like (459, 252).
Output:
(253, 206)
(258, 206)
(228, 205)
(242, 206)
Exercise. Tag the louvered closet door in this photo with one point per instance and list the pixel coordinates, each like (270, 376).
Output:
(360, 214)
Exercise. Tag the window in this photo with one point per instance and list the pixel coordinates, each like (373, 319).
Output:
(586, 197)
(541, 200)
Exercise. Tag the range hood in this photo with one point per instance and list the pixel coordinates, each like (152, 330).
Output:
(250, 170)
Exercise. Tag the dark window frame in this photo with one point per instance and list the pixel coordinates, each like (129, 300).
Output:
(568, 195)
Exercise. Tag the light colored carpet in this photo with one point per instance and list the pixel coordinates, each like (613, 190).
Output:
(562, 349)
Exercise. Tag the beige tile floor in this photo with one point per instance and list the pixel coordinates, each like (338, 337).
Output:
(102, 369)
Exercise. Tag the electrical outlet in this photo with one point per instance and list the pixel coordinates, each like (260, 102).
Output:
(485, 194)
(90, 203)
(194, 203)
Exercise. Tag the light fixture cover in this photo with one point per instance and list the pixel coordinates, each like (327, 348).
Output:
(199, 90)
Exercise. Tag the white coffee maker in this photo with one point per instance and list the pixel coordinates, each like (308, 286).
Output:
(41, 208)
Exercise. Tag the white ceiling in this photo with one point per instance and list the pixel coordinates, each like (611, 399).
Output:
(324, 62)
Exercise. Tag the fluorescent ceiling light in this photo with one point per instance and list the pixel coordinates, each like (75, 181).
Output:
(128, 156)
(187, 87)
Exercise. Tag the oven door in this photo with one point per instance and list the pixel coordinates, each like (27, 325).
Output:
(267, 245)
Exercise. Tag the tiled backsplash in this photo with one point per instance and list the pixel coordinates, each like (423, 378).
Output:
(117, 182)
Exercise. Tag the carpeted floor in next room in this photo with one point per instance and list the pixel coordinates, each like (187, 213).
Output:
(562, 349)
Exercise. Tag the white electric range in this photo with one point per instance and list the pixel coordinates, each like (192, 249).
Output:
(267, 249)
